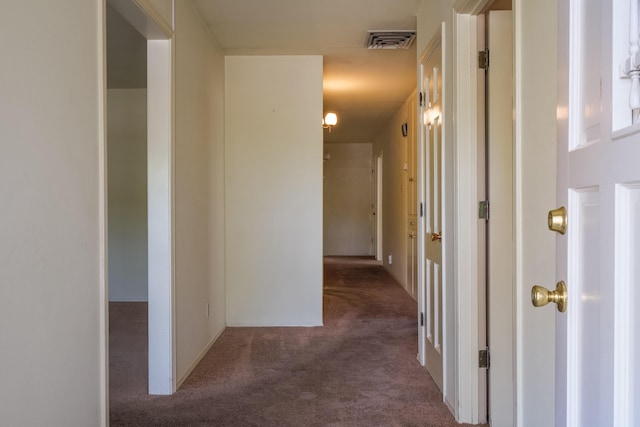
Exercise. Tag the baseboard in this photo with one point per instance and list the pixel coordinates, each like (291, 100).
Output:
(273, 325)
(197, 360)
(450, 407)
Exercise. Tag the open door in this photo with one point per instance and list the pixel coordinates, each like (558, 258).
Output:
(430, 292)
(597, 340)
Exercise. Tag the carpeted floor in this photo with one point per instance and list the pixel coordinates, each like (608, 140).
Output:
(360, 369)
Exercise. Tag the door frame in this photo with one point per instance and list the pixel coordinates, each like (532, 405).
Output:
(534, 195)
(377, 194)
(160, 192)
(535, 112)
(470, 251)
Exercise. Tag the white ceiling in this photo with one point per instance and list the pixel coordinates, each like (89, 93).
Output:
(363, 87)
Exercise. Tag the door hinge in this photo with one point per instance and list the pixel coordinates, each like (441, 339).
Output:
(421, 209)
(483, 358)
(421, 319)
(423, 99)
(483, 59)
(483, 210)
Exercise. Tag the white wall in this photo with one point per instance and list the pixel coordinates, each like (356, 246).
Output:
(127, 193)
(273, 163)
(199, 189)
(51, 302)
(348, 227)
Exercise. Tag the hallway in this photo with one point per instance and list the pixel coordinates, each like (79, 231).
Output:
(360, 369)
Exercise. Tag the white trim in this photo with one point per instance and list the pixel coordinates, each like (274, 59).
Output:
(625, 132)
(163, 31)
(266, 324)
(379, 165)
(102, 213)
(144, 18)
(448, 186)
(160, 154)
(623, 317)
(575, 82)
(471, 7)
(518, 220)
(172, 180)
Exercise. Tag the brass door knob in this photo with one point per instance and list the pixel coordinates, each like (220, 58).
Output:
(558, 220)
(541, 296)
(436, 236)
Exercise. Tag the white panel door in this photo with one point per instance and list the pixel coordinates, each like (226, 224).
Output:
(598, 338)
(430, 292)
(500, 230)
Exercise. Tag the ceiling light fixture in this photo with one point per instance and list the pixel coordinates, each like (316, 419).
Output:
(329, 121)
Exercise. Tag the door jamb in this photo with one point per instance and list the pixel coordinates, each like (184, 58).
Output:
(103, 216)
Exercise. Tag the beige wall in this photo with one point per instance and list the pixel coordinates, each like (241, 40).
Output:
(51, 304)
(348, 226)
(394, 192)
(199, 189)
(127, 193)
(273, 163)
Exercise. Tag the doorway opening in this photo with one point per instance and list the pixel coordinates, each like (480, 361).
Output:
(139, 198)
(348, 204)
(127, 204)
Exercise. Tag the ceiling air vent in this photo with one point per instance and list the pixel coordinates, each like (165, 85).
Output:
(391, 39)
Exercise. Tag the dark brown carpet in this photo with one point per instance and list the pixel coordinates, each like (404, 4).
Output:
(360, 369)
